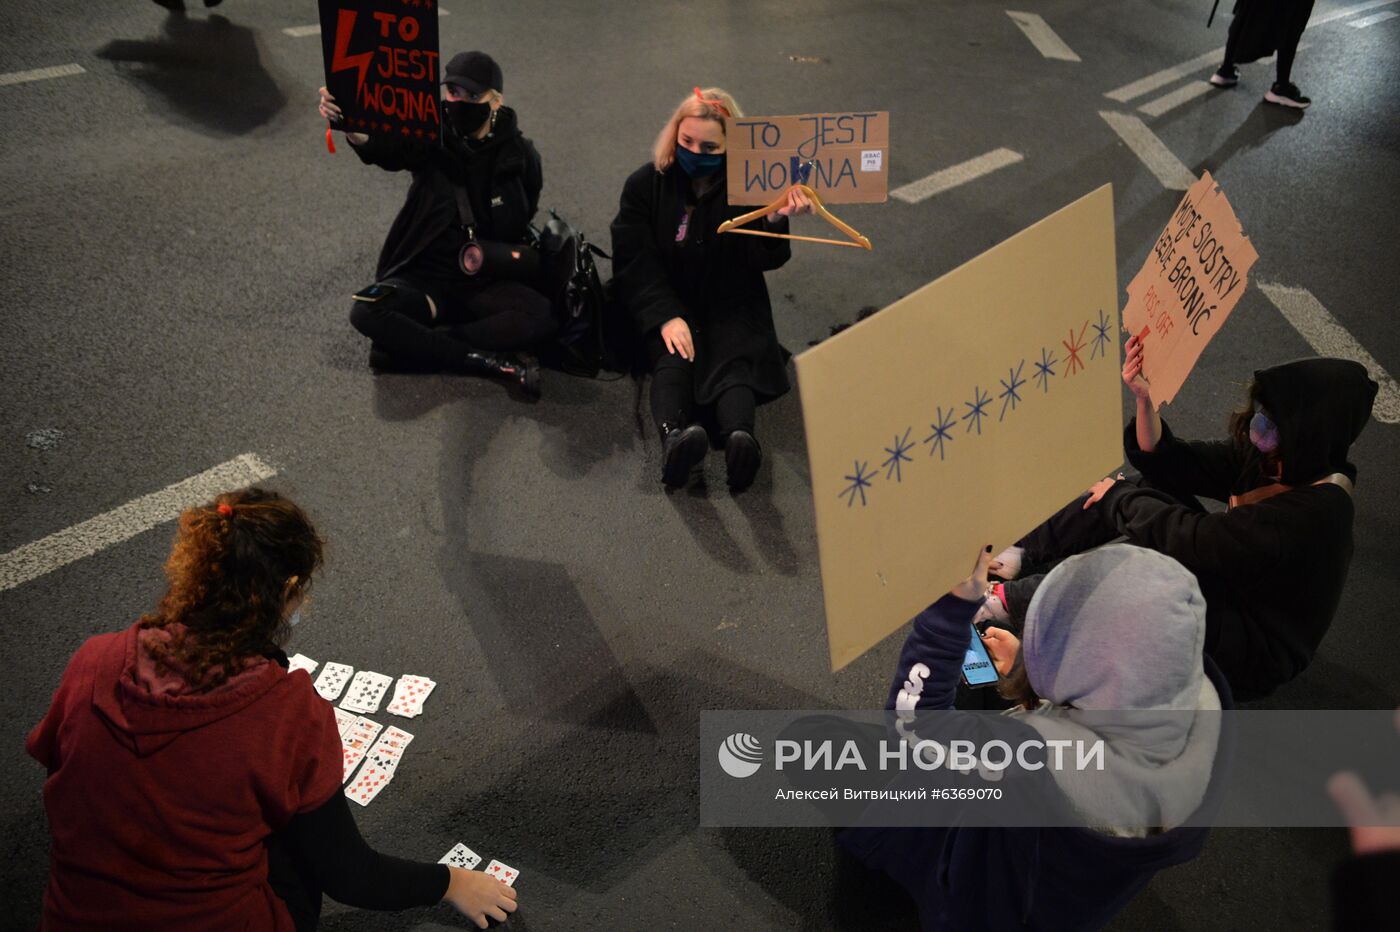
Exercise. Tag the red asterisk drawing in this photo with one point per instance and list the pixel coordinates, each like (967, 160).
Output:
(1073, 345)
(405, 131)
(432, 135)
(418, 133)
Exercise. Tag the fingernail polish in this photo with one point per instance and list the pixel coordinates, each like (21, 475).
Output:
(989, 548)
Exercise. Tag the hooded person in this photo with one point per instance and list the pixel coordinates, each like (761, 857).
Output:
(1111, 652)
(457, 285)
(1273, 564)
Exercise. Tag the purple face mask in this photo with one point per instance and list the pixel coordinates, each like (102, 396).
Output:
(1263, 433)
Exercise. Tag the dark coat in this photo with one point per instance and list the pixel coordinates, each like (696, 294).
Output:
(502, 177)
(664, 269)
(1262, 27)
(1272, 572)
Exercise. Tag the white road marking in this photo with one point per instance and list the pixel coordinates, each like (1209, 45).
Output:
(1042, 36)
(301, 32)
(1329, 338)
(1187, 92)
(40, 74)
(1166, 76)
(1371, 20)
(1344, 12)
(947, 178)
(1150, 150)
(124, 522)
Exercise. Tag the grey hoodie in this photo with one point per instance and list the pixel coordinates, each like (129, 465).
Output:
(1112, 643)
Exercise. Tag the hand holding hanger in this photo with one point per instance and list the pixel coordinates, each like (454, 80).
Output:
(797, 203)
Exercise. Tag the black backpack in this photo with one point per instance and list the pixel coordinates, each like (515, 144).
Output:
(593, 336)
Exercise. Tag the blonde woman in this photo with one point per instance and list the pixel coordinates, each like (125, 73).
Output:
(698, 299)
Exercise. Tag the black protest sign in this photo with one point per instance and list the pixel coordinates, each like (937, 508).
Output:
(382, 65)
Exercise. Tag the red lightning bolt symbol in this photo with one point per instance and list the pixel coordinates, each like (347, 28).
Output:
(344, 26)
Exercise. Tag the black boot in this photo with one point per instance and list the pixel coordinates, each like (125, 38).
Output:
(523, 372)
(682, 449)
(742, 458)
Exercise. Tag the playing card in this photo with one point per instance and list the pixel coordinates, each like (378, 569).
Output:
(388, 750)
(302, 662)
(367, 785)
(365, 692)
(409, 694)
(504, 873)
(343, 719)
(461, 856)
(333, 679)
(356, 742)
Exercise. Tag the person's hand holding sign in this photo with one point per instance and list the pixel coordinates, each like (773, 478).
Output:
(797, 203)
(330, 112)
(1149, 422)
(676, 333)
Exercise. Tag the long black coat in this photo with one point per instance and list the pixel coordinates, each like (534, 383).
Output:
(666, 266)
(502, 178)
(1262, 27)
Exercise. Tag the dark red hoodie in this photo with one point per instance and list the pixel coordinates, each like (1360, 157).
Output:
(160, 800)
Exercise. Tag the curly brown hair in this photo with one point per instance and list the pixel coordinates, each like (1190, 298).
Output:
(1239, 431)
(229, 573)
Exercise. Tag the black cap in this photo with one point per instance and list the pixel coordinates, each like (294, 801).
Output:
(474, 71)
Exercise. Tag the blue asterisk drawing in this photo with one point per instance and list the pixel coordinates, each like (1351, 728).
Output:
(942, 430)
(898, 453)
(1010, 394)
(975, 412)
(1045, 368)
(1101, 337)
(859, 483)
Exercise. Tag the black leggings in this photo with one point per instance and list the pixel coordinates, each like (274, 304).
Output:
(1290, 31)
(673, 398)
(471, 315)
(1071, 530)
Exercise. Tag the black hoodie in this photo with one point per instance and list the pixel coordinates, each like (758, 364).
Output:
(1272, 571)
(501, 174)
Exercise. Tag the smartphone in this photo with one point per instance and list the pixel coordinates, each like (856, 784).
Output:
(978, 669)
(374, 293)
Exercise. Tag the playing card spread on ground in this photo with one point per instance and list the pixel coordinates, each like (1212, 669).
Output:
(302, 662)
(461, 856)
(503, 873)
(332, 680)
(343, 720)
(365, 692)
(367, 785)
(356, 742)
(409, 694)
(388, 750)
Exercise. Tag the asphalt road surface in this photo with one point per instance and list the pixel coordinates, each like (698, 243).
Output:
(179, 251)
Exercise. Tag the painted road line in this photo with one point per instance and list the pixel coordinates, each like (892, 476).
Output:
(33, 560)
(40, 74)
(1187, 92)
(1046, 42)
(301, 32)
(1150, 150)
(1381, 17)
(947, 178)
(1329, 338)
(1344, 12)
(1166, 76)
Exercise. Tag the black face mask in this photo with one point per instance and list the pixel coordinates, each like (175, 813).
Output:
(467, 116)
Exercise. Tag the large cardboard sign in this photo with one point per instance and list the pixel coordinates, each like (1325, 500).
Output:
(849, 155)
(962, 415)
(1192, 280)
(382, 65)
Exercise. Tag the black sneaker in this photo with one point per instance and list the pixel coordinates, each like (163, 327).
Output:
(1287, 95)
(682, 449)
(1226, 77)
(742, 458)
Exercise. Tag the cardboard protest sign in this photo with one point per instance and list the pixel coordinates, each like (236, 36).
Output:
(1192, 280)
(849, 152)
(382, 65)
(962, 415)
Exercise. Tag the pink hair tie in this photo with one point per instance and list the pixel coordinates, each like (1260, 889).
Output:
(225, 509)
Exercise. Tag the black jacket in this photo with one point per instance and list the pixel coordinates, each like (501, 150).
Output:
(663, 269)
(1262, 27)
(1272, 572)
(502, 176)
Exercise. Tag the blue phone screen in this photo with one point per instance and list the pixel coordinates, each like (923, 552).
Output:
(977, 667)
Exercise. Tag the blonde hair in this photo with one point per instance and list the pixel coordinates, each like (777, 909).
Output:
(663, 154)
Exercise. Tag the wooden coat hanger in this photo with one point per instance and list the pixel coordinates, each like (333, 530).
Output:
(818, 208)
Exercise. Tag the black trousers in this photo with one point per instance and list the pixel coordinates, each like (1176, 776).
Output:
(1071, 530)
(673, 395)
(471, 315)
(292, 879)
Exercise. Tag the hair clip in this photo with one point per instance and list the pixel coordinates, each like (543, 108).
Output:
(225, 509)
(717, 104)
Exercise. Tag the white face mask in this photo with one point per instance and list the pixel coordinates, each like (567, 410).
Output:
(295, 619)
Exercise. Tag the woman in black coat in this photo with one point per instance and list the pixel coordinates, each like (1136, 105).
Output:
(698, 299)
(480, 182)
